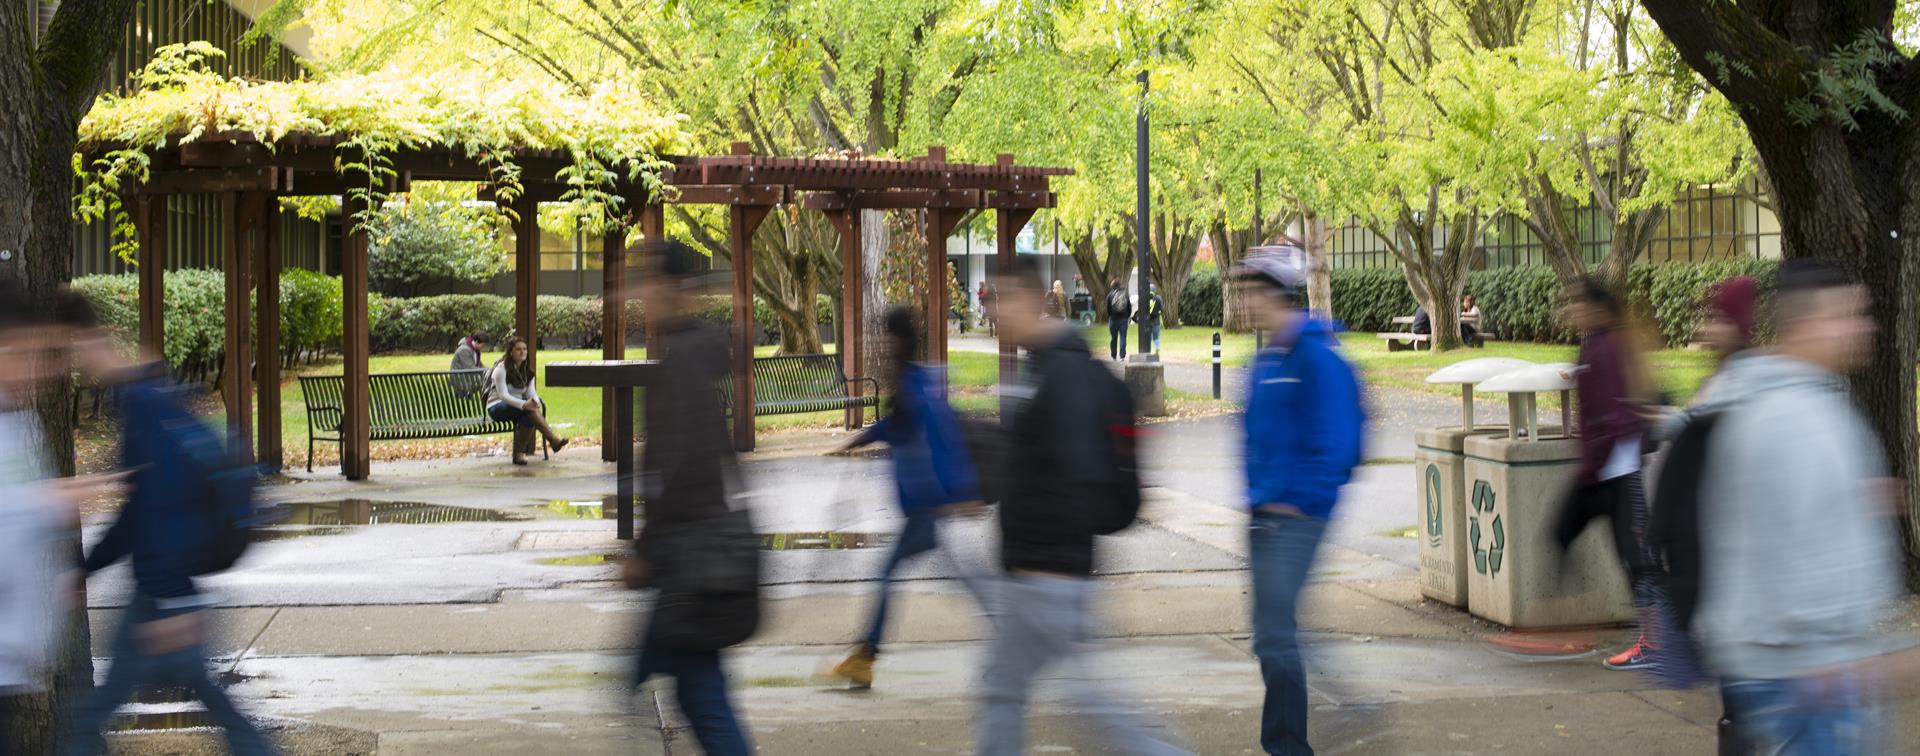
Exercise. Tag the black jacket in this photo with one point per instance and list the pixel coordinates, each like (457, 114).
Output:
(1056, 464)
(688, 455)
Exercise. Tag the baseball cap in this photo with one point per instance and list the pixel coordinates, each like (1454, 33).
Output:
(1277, 266)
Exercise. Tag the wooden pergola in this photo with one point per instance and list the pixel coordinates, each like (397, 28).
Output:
(249, 176)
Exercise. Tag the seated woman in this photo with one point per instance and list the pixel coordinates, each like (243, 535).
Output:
(1469, 321)
(512, 398)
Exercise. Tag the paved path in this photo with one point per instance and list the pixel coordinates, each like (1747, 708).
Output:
(500, 632)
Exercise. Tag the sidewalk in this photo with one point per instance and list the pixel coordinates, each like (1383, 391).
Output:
(498, 630)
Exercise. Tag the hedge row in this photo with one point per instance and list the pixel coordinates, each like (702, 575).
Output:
(1519, 304)
(311, 308)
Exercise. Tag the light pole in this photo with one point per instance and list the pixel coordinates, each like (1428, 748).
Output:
(1142, 228)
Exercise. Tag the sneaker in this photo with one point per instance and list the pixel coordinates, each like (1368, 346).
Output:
(1536, 647)
(856, 669)
(1632, 658)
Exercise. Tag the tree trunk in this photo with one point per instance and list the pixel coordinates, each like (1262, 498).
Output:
(1319, 263)
(1547, 219)
(1177, 244)
(1437, 276)
(875, 238)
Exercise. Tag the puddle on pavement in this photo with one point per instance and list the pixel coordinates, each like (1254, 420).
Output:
(581, 560)
(823, 540)
(581, 509)
(365, 512)
(164, 720)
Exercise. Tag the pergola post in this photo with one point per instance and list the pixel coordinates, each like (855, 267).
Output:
(355, 426)
(847, 222)
(270, 443)
(150, 229)
(653, 225)
(238, 246)
(743, 220)
(526, 273)
(1007, 225)
(940, 225)
(613, 331)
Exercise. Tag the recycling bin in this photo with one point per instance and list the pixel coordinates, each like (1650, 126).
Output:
(1438, 472)
(1514, 484)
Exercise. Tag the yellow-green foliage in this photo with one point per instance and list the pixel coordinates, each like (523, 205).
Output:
(611, 132)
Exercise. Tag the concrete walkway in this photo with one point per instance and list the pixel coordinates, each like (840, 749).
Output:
(491, 626)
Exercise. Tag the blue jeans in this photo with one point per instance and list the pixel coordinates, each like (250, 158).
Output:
(1803, 717)
(919, 536)
(1155, 325)
(1281, 549)
(700, 687)
(131, 669)
(1117, 338)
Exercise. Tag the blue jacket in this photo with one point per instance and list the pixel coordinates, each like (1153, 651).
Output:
(163, 526)
(1305, 426)
(931, 466)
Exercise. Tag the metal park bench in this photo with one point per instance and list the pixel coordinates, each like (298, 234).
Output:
(800, 383)
(403, 406)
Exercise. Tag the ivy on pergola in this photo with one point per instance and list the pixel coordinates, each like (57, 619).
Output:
(608, 157)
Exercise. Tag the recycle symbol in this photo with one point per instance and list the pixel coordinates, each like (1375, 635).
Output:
(1486, 561)
(1434, 523)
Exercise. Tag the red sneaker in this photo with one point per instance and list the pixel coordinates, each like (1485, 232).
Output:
(1632, 658)
(1542, 646)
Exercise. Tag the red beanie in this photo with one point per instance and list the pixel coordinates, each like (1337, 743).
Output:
(1737, 299)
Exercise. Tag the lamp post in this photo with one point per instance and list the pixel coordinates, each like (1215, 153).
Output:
(1142, 228)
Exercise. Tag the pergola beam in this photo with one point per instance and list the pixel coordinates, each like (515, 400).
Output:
(852, 317)
(270, 444)
(742, 221)
(355, 428)
(240, 211)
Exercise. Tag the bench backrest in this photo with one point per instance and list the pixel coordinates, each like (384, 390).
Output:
(791, 378)
(399, 398)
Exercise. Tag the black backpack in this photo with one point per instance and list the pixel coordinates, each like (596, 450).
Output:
(1120, 435)
(987, 448)
(226, 480)
(1118, 306)
(1673, 526)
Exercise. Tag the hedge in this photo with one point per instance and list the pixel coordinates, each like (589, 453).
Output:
(1519, 304)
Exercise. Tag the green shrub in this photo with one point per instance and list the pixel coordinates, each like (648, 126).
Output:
(1200, 303)
(1674, 293)
(1520, 304)
(310, 313)
(1368, 299)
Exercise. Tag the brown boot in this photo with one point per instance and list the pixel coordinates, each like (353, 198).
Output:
(857, 668)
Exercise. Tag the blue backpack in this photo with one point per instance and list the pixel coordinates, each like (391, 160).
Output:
(227, 480)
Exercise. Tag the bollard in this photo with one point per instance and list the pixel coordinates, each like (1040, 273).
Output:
(1216, 364)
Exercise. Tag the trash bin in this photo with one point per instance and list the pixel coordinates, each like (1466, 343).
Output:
(1514, 484)
(1438, 475)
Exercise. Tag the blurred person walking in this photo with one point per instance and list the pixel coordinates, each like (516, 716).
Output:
(1119, 311)
(696, 549)
(511, 397)
(466, 356)
(1304, 432)
(37, 522)
(1071, 475)
(1610, 387)
(1150, 315)
(168, 528)
(932, 471)
(1799, 562)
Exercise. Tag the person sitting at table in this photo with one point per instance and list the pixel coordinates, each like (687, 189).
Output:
(512, 398)
(1469, 321)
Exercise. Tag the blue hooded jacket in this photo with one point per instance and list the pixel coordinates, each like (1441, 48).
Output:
(1305, 426)
(931, 465)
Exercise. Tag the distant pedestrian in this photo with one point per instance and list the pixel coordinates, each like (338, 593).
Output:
(166, 528)
(467, 357)
(1609, 389)
(932, 472)
(1119, 311)
(987, 298)
(1797, 530)
(512, 397)
(690, 549)
(1304, 433)
(1056, 304)
(1071, 476)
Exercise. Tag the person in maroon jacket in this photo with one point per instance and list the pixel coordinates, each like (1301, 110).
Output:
(1611, 385)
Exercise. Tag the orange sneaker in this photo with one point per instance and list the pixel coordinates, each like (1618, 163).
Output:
(1632, 658)
(1542, 646)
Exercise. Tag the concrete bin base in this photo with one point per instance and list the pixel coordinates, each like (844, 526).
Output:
(1147, 381)
(1439, 472)
(1514, 569)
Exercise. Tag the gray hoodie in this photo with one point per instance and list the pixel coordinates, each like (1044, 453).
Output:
(1798, 553)
(32, 526)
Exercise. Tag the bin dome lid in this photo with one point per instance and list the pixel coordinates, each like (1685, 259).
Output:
(1557, 376)
(1477, 369)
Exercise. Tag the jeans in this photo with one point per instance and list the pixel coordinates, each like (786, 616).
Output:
(1155, 334)
(1043, 619)
(1281, 549)
(1117, 338)
(700, 688)
(132, 668)
(919, 536)
(1803, 717)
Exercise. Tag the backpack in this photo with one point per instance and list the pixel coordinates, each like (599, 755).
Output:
(1118, 305)
(228, 506)
(987, 448)
(1120, 438)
